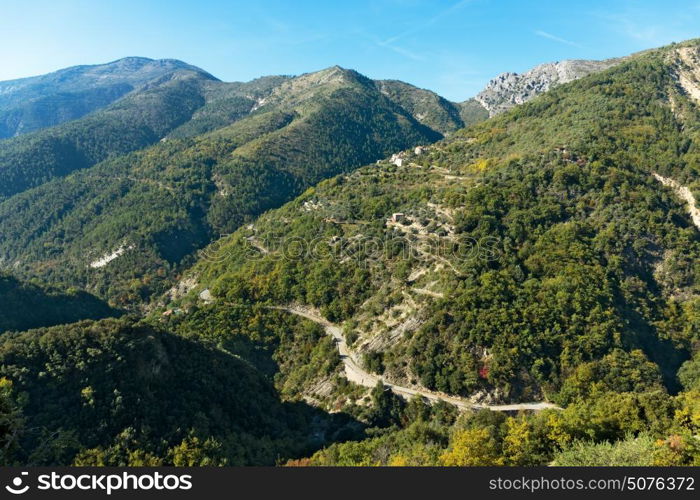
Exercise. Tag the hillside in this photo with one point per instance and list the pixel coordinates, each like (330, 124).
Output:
(536, 255)
(26, 305)
(139, 120)
(119, 393)
(552, 176)
(288, 136)
(154, 208)
(429, 108)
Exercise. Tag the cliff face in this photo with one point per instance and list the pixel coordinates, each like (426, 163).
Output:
(510, 89)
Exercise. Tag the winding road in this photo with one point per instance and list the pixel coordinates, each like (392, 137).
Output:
(355, 373)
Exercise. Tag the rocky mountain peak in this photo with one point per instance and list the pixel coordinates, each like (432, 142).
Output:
(510, 89)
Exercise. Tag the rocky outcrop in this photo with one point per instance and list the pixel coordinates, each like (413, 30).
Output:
(510, 89)
(685, 194)
(687, 68)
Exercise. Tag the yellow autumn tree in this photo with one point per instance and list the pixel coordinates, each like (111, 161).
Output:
(517, 442)
(472, 448)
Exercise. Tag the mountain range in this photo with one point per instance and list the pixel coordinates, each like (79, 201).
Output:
(535, 246)
(213, 155)
(33, 103)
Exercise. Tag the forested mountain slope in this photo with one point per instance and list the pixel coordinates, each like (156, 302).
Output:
(429, 108)
(533, 255)
(158, 205)
(153, 98)
(549, 253)
(24, 305)
(115, 392)
(139, 120)
(207, 175)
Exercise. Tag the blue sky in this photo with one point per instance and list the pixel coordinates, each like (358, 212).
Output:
(452, 47)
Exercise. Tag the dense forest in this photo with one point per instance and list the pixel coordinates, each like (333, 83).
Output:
(29, 305)
(118, 392)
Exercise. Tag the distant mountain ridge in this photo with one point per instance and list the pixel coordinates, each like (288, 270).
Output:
(33, 103)
(139, 119)
(171, 166)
